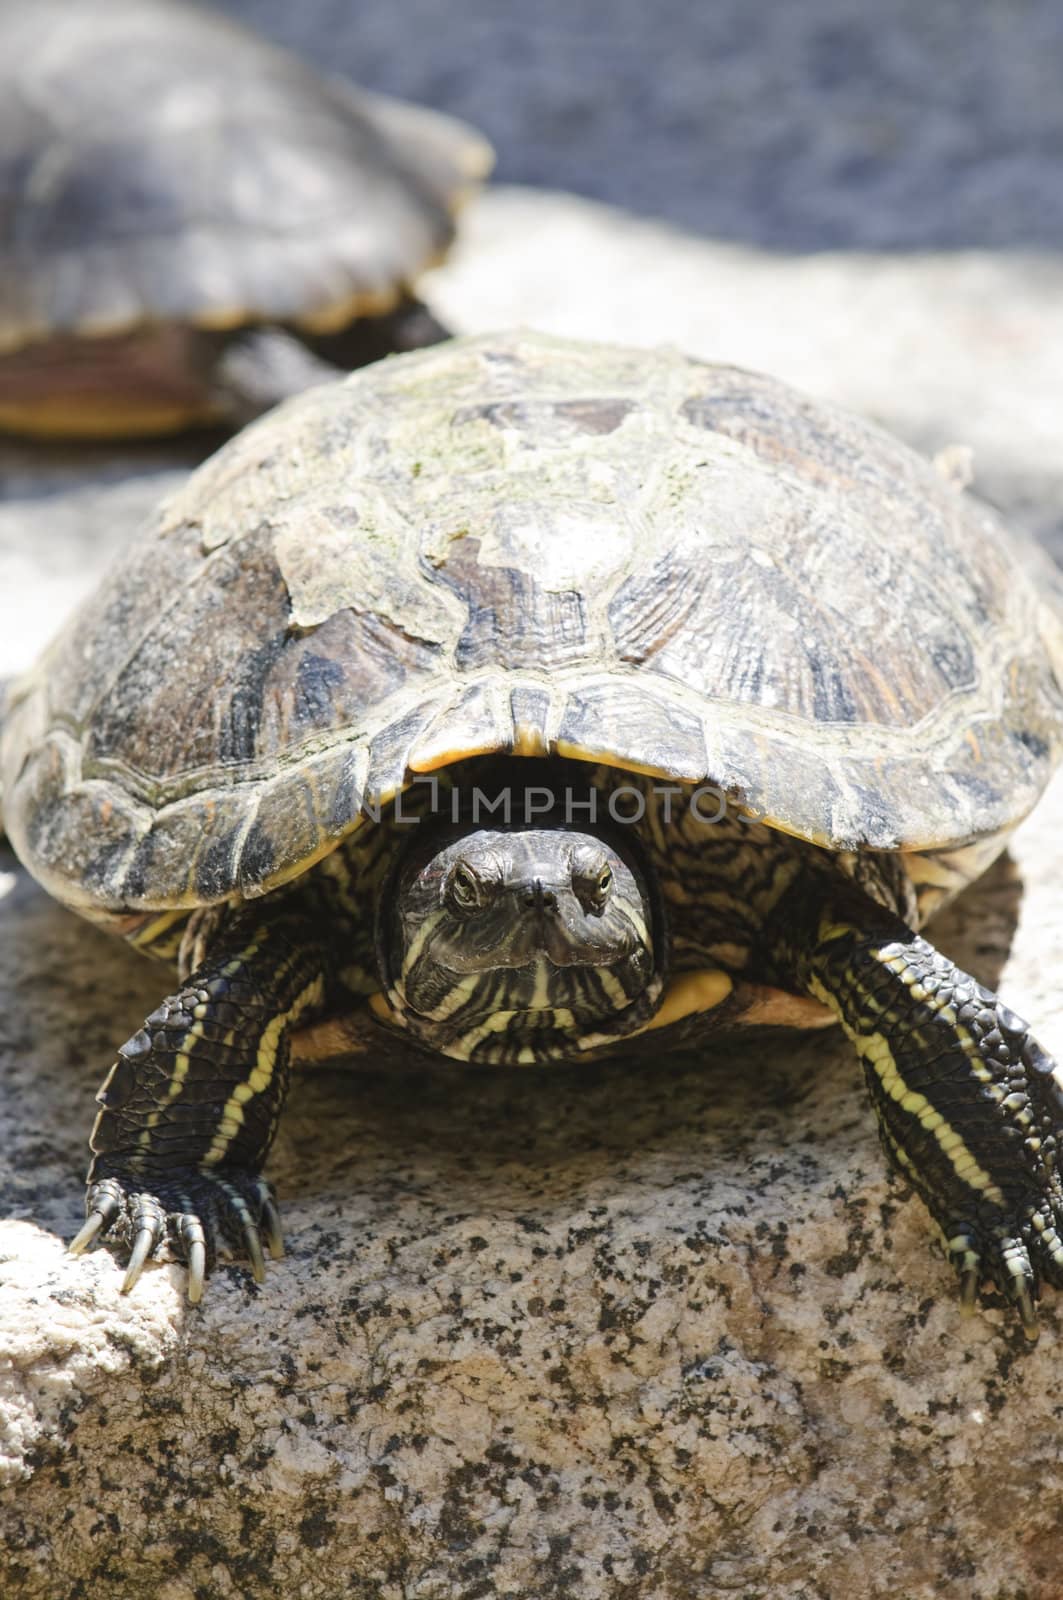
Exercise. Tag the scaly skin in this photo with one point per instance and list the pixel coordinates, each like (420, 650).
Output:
(190, 1107)
(969, 1108)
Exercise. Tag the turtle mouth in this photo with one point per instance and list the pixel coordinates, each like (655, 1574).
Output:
(521, 1036)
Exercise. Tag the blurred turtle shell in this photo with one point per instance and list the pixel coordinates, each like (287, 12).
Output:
(168, 181)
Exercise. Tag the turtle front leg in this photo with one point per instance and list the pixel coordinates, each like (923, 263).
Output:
(968, 1104)
(190, 1107)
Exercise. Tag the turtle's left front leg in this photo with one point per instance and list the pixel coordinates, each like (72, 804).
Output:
(968, 1103)
(190, 1107)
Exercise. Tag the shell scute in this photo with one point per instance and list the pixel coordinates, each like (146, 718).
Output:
(188, 854)
(626, 724)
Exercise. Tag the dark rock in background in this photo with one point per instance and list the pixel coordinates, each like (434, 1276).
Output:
(823, 124)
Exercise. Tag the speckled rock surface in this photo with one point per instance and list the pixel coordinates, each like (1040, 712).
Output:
(652, 1330)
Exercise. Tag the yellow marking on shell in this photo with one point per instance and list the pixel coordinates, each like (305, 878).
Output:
(333, 317)
(529, 740)
(428, 757)
(381, 798)
(689, 993)
(577, 752)
(52, 418)
(262, 1072)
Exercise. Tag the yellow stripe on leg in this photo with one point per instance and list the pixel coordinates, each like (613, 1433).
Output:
(175, 1085)
(261, 1075)
(875, 1049)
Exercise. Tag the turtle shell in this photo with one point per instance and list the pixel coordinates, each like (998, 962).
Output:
(159, 163)
(518, 543)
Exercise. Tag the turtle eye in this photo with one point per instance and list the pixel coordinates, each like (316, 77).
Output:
(592, 879)
(464, 887)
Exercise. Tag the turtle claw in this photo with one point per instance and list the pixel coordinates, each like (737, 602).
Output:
(254, 1251)
(968, 1291)
(204, 1215)
(96, 1224)
(1015, 1275)
(962, 1246)
(274, 1235)
(270, 1220)
(240, 1212)
(1005, 1261)
(194, 1243)
(148, 1223)
(143, 1245)
(1028, 1314)
(197, 1271)
(103, 1207)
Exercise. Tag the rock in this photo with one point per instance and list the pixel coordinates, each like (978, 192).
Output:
(820, 124)
(653, 1329)
(60, 527)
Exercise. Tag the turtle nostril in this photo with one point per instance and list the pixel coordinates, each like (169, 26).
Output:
(539, 899)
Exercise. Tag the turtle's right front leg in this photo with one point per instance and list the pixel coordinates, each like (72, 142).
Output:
(190, 1107)
(969, 1105)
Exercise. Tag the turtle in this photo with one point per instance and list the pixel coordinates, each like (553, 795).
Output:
(195, 223)
(523, 700)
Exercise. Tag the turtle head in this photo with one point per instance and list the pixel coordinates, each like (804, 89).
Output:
(521, 944)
